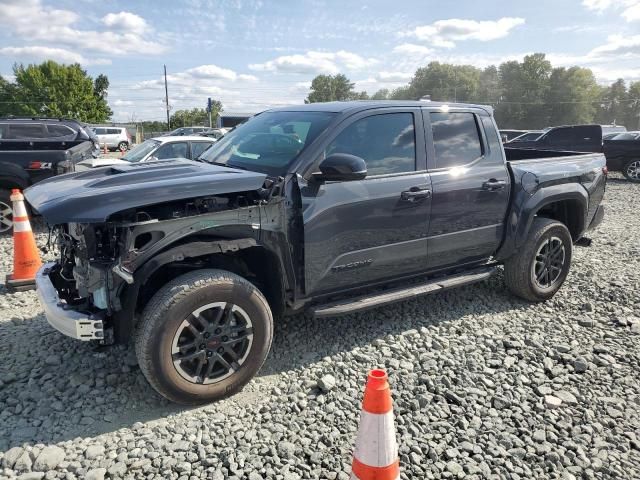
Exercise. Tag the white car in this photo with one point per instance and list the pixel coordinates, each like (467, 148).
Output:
(115, 138)
(159, 148)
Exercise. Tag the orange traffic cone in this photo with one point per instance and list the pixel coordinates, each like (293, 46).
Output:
(26, 258)
(105, 148)
(376, 453)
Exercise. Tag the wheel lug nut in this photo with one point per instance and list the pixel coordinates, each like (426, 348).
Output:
(225, 338)
(207, 335)
(203, 346)
(209, 353)
(217, 331)
(220, 350)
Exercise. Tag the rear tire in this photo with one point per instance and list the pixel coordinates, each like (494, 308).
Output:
(203, 336)
(6, 211)
(541, 266)
(123, 146)
(631, 171)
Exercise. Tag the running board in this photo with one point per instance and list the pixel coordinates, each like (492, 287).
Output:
(440, 284)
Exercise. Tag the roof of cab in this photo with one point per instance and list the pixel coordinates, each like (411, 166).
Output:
(359, 105)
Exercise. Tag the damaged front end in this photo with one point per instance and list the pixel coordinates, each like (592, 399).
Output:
(102, 257)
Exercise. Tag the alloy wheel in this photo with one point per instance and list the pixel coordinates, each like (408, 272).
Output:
(6, 217)
(549, 262)
(212, 343)
(633, 170)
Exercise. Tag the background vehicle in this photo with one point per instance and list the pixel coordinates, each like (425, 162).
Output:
(15, 130)
(331, 208)
(216, 133)
(24, 162)
(575, 138)
(188, 131)
(623, 155)
(511, 134)
(115, 138)
(607, 129)
(159, 148)
(532, 135)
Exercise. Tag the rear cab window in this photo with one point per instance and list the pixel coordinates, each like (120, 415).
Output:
(26, 131)
(456, 138)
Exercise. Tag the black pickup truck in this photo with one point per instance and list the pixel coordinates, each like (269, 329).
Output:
(326, 208)
(623, 155)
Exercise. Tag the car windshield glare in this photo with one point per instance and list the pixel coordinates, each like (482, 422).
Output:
(269, 142)
(139, 152)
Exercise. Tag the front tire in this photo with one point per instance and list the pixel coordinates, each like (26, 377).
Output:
(203, 336)
(123, 146)
(541, 266)
(631, 171)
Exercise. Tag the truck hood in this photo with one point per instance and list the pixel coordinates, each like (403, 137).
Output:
(92, 196)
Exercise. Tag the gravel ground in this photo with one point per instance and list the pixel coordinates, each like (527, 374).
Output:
(484, 385)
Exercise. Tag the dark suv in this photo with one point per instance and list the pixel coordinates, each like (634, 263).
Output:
(44, 130)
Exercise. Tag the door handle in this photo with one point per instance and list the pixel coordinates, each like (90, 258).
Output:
(415, 193)
(492, 184)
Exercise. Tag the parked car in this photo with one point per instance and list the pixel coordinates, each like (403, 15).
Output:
(216, 133)
(623, 155)
(44, 129)
(525, 137)
(24, 162)
(329, 208)
(508, 135)
(188, 131)
(606, 129)
(576, 138)
(159, 148)
(115, 138)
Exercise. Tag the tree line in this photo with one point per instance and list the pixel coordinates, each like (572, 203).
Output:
(51, 89)
(529, 94)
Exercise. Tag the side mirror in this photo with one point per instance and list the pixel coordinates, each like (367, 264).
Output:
(341, 167)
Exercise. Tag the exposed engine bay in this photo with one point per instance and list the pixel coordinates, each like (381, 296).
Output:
(97, 259)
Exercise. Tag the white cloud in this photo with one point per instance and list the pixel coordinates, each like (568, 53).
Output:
(412, 49)
(394, 76)
(445, 33)
(50, 53)
(630, 8)
(617, 46)
(122, 103)
(126, 21)
(314, 62)
(33, 21)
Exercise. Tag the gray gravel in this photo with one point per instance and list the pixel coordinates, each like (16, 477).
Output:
(485, 386)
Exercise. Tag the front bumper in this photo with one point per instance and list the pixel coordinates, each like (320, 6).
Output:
(60, 316)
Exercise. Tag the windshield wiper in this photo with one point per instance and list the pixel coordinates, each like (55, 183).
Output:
(237, 167)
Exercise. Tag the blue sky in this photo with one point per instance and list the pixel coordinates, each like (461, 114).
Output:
(252, 54)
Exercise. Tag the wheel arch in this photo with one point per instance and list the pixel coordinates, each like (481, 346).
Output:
(244, 257)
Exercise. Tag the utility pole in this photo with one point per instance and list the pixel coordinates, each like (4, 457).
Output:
(166, 96)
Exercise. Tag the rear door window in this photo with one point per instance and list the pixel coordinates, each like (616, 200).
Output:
(26, 130)
(456, 138)
(59, 130)
(386, 142)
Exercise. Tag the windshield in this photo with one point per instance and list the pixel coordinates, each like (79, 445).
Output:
(268, 142)
(139, 152)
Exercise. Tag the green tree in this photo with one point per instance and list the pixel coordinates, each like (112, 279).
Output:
(571, 96)
(58, 90)
(195, 116)
(446, 82)
(632, 115)
(7, 94)
(330, 88)
(402, 93)
(613, 104)
(382, 94)
(535, 74)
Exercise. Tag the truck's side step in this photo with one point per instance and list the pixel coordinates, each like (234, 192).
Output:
(389, 296)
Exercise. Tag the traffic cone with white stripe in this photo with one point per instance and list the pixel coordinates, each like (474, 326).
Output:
(376, 453)
(26, 258)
